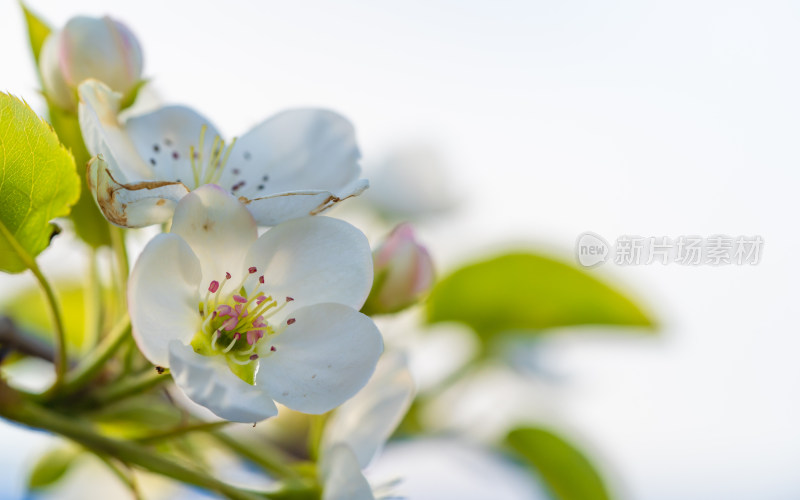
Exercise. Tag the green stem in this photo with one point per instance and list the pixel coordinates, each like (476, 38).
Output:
(93, 303)
(126, 478)
(117, 236)
(268, 457)
(52, 302)
(131, 386)
(315, 434)
(30, 414)
(95, 361)
(181, 431)
(121, 253)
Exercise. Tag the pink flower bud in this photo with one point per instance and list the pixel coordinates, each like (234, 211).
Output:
(403, 272)
(88, 47)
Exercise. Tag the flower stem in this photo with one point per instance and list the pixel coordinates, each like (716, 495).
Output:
(268, 457)
(126, 477)
(52, 302)
(98, 357)
(182, 430)
(131, 386)
(33, 415)
(315, 434)
(121, 253)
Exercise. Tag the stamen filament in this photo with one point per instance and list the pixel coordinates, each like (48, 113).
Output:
(272, 313)
(194, 165)
(239, 362)
(216, 149)
(230, 346)
(267, 304)
(219, 290)
(218, 172)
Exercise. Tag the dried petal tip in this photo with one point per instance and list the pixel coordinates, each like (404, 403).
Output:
(290, 321)
(289, 299)
(273, 349)
(252, 270)
(254, 357)
(214, 286)
(227, 276)
(261, 279)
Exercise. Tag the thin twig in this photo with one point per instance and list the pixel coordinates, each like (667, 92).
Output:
(11, 337)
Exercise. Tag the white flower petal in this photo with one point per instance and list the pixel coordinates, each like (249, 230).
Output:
(322, 359)
(137, 204)
(298, 150)
(219, 230)
(164, 137)
(104, 135)
(208, 381)
(341, 476)
(366, 420)
(163, 296)
(274, 209)
(314, 260)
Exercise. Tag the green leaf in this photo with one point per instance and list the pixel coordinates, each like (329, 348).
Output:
(567, 473)
(37, 183)
(130, 97)
(528, 292)
(52, 466)
(37, 31)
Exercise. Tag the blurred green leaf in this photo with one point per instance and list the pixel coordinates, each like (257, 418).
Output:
(90, 225)
(130, 97)
(38, 183)
(52, 466)
(567, 473)
(528, 292)
(37, 31)
(28, 309)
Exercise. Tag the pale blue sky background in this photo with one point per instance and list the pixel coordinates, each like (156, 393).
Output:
(646, 118)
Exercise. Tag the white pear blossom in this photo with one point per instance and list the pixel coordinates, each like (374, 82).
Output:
(297, 163)
(242, 321)
(357, 431)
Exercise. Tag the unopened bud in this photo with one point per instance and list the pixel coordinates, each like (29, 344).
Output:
(403, 272)
(89, 47)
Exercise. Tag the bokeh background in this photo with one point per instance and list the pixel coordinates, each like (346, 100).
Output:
(549, 119)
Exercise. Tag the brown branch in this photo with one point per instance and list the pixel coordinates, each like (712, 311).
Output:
(13, 339)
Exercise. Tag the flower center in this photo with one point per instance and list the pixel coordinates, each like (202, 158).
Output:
(234, 325)
(209, 170)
